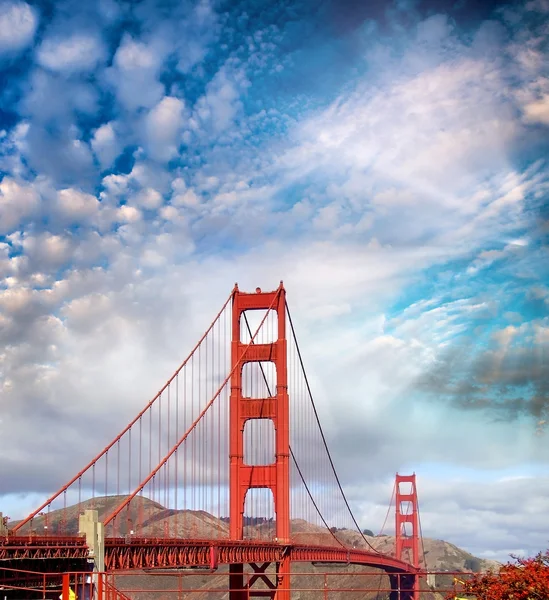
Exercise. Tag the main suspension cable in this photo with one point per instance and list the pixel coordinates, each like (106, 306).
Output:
(388, 509)
(322, 434)
(292, 452)
(421, 534)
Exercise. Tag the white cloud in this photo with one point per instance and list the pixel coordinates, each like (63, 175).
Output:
(194, 35)
(71, 54)
(186, 198)
(402, 136)
(475, 512)
(77, 206)
(221, 104)
(538, 110)
(170, 213)
(128, 214)
(115, 185)
(134, 74)
(106, 145)
(18, 201)
(163, 127)
(47, 249)
(18, 23)
(148, 198)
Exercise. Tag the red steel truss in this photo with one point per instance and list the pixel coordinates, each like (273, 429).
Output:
(34, 547)
(148, 554)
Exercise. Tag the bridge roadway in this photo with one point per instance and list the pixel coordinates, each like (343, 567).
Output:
(149, 553)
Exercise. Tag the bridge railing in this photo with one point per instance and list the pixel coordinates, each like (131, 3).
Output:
(160, 584)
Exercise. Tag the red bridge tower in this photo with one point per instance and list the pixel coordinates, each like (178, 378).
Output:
(275, 476)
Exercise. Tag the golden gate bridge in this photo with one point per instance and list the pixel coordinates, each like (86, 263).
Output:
(222, 467)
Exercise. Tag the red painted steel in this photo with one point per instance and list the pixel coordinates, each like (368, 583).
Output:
(276, 476)
(243, 477)
(140, 553)
(114, 586)
(407, 541)
(406, 512)
(147, 554)
(35, 547)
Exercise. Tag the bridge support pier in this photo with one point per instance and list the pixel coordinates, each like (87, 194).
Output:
(404, 586)
(94, 533)
(3, 526)
(90, 527)
(241, 584)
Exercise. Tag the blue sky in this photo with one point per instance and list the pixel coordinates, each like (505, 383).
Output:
(388, 162)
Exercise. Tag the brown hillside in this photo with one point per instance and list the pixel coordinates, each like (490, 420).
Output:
(150, 519)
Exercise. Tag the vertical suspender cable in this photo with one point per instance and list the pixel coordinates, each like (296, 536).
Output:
(322, 434)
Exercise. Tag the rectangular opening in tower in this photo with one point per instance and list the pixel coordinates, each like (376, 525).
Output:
(259, 379)
(259, 442)
(251, 320)
(405, 487)
(259, 515)
(407, 529)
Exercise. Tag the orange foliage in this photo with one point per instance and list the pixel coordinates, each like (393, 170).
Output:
(524, 579)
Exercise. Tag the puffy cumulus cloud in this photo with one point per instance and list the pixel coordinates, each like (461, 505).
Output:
(148, 198)
(53, 143)
(163, 126)
(73, 97)
(106, 144)
(18, 201)
(65, 158)
(221, 104)
(11, 146)
(185, 197)
(18, 23)
(47, 250)
(114, 186)
(71, 54)
(135, 73)
(76, 206)
(195, 34)
(128, 214)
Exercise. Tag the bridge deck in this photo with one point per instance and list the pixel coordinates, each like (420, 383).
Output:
(147, 553)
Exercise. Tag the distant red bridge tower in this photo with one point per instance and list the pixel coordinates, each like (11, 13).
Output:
(407, 533)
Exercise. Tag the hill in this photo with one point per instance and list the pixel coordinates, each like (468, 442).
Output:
(158, 521)
(151, 519)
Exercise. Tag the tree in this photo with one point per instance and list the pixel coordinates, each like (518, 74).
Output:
(523, 579)
(473, 564)
(368, 532)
